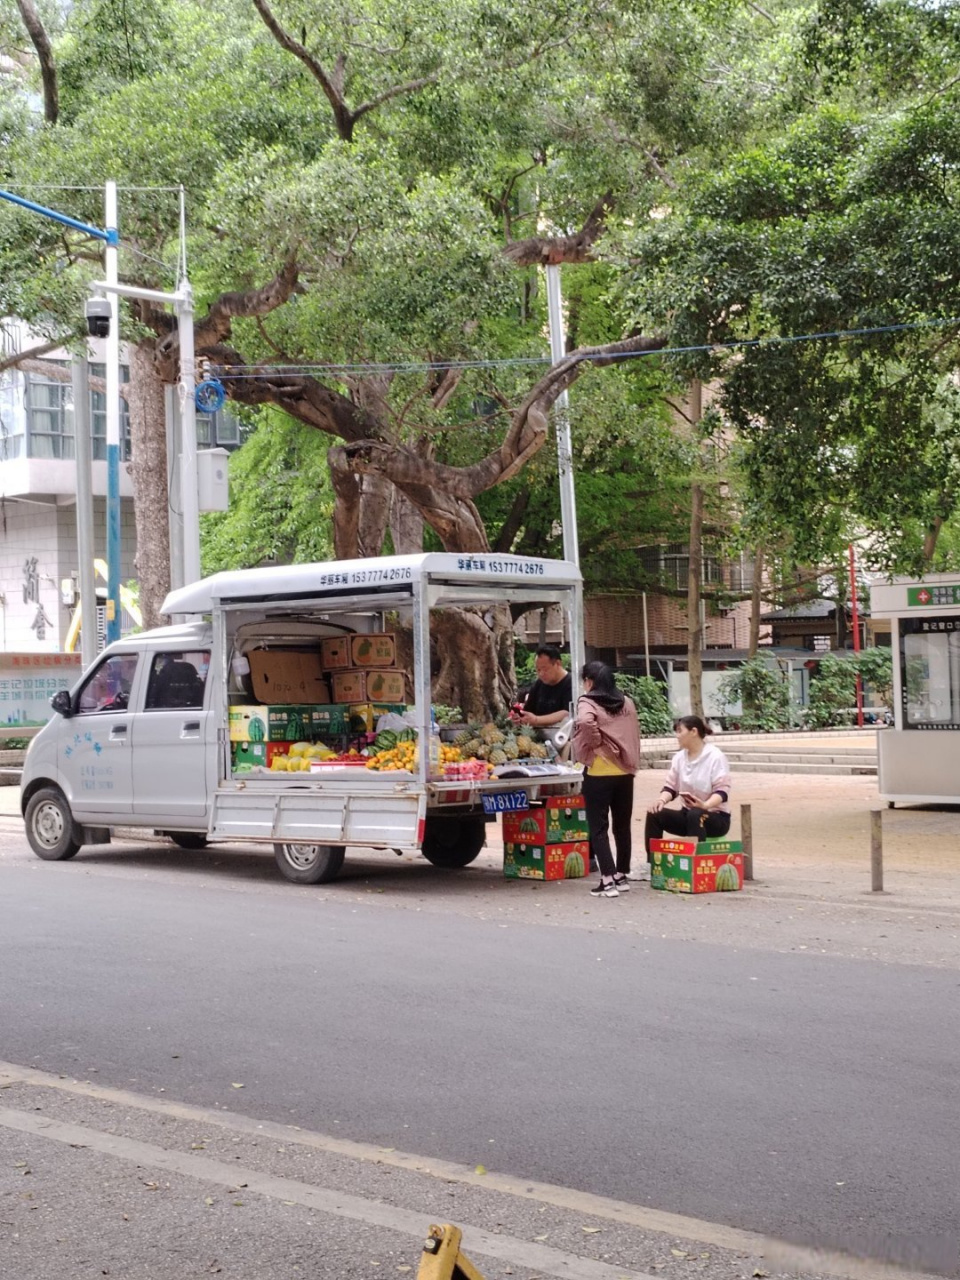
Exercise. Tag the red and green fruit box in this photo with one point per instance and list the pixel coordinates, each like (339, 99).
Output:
(248, 755)
(685, 866)
(560, 819)
(566, 861)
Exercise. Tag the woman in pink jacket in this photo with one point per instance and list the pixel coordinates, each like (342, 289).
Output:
(606, 739)
(699, 776)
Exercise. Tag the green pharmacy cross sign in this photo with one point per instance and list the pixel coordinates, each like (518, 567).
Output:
(923, 596)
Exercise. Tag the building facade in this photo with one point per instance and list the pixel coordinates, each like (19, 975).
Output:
(39, 562)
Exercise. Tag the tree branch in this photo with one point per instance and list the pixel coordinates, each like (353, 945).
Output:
(554, 250)
(48, 71)
(341, 115)
(411, 86)
(214, 327)
(32, 353)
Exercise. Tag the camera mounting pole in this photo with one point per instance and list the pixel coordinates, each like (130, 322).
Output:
(182, 302)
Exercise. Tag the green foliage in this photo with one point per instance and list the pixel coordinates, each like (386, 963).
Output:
(650, 699)
(763, 694)
(843, 221)
(523, 661)
(876, 671)
(280, 501)
(833, 693)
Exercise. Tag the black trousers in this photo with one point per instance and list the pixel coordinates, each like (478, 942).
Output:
(609, 798)
(694, 824)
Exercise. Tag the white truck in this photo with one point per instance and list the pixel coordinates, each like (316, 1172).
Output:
(144, 738)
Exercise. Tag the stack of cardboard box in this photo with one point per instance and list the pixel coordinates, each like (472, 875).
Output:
(547, 842)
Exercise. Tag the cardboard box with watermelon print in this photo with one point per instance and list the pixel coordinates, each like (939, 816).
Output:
(685, 866)
(566, 861)
(558, 820)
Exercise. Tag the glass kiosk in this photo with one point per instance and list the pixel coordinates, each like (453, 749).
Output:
(919, 759)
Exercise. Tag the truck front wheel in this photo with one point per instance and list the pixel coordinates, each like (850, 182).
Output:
(309, 863)
(453, 842)
(50, 826)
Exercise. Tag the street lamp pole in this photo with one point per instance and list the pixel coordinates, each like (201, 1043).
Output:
(113, 420)
(568, 498)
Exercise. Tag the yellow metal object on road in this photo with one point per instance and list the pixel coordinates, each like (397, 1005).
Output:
(442, 1258)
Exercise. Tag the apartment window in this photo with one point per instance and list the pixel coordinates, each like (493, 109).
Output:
(98, 415)
(217, 429)
(49, 408)
(741, 573)
(11, 421)
(671, 564)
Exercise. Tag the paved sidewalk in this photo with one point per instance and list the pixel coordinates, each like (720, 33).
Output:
(811, 839)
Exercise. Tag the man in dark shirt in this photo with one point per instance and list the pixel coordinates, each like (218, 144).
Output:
(548, 702)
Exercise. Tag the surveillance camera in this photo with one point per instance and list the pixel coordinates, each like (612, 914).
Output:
(97, 311)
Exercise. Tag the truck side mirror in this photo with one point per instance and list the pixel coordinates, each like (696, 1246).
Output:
(62, 704)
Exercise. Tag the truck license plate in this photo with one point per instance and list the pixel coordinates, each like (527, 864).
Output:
(505, 802)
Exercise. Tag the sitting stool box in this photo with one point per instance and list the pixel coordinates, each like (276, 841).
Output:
(689, 866)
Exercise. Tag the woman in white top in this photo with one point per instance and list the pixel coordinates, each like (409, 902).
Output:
(699, 776)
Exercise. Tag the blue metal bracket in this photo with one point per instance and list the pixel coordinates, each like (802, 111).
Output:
(110, 236)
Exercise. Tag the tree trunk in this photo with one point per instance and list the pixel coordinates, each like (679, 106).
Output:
(695, 576)
(930, 538)
(841, 613)
(148, 471)
(406, 526)
(756, 602)
(471, 660)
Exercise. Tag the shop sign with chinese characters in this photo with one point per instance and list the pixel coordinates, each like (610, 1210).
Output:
(27, 683)
(923, 596)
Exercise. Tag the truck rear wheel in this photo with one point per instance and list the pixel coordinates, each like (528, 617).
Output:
(453, 842)
(50, 825)
(309, 863)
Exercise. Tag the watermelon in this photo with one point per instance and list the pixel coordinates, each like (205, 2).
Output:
(573, 867)
(386, 740)
(727, 879)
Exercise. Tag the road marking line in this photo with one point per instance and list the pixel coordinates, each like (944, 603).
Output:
(787, 1256)
(538, 1257)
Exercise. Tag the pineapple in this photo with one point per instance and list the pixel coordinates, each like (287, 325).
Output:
(490, 733)
(497, 756)
(538, 751)
(462, 738)
(524, 746)
(510, 749)
(473, 747)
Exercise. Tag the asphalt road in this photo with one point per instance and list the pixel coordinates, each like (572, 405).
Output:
(808, 1098)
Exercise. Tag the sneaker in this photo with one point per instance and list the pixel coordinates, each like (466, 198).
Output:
(608, 890)
(641, 872)
(622, 883)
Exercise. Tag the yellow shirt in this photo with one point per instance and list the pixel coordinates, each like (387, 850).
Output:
(604, 768)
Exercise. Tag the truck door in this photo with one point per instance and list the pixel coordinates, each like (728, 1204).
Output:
(170, 748)
(95, 743)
